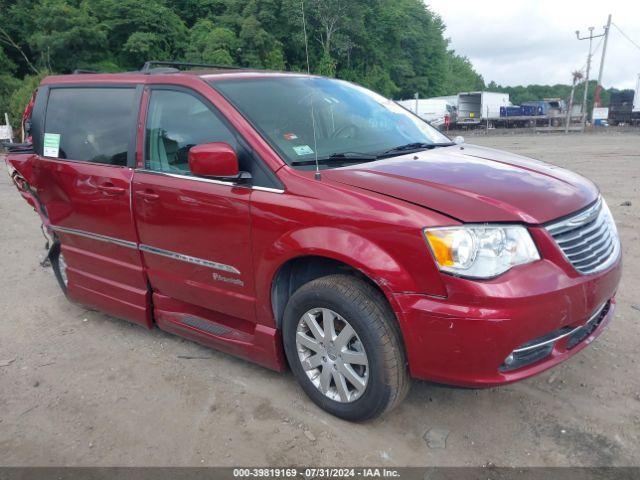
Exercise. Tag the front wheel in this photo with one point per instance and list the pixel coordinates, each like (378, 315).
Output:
(344, 347)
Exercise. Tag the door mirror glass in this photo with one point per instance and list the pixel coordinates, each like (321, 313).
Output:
(215, 159)
(458, 140)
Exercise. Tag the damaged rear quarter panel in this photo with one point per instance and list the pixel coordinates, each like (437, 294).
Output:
(23, 175)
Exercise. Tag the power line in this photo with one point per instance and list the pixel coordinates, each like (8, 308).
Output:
(626, 36)
(595, 50)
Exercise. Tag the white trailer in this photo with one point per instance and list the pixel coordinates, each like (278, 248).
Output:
(433, 110)
(475, 107)
(450, 99)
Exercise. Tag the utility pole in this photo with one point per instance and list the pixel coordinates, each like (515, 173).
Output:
(577, 75)
(586, 80)
(604, 53)
(636, 97)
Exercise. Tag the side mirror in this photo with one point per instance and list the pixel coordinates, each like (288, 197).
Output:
(458, 140)
(216, 160)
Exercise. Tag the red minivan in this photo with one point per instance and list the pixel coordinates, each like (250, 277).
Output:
(297, 220)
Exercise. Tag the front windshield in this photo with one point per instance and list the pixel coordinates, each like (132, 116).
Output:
(348, 120)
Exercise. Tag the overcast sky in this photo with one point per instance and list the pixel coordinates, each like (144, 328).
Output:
(520, 42)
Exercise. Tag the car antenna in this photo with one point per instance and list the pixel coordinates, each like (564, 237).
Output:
(313, 120)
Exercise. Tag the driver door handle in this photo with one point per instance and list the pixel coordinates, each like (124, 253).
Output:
(110, 189)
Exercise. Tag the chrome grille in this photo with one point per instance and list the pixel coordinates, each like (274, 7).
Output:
(588, 239)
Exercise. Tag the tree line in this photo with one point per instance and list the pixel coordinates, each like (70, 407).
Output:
(396, 47)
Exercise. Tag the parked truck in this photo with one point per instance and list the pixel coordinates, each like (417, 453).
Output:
(624, 107)
(547, 106)
(548, 112)
(621, 106)
(476, 107)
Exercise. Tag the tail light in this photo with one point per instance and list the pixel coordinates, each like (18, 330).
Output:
(26, 118)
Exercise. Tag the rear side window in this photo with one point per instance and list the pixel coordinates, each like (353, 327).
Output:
(90, 124)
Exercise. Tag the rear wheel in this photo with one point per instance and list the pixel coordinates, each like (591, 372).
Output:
(59, 265)
(344, 347)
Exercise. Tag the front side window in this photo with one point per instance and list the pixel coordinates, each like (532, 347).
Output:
(307, 116)
(177, 121)
(91, 124)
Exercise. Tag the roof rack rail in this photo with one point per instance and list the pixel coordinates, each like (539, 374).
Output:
(79, 71)
(146, 68)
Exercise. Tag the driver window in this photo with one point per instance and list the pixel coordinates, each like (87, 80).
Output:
(177, 121)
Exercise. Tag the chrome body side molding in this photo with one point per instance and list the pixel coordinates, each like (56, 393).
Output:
(189, 259)
(214, 181)
(149, 249)
(96, 236)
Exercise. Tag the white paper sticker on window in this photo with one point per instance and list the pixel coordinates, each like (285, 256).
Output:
(303, 150)
(51, 144)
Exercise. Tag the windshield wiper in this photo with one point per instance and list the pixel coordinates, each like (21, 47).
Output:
(344, 157)
(353, 157)
(413, 147)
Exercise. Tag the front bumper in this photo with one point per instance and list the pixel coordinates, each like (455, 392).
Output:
(465, 338)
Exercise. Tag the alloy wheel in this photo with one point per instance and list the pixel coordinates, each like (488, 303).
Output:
(332, 355)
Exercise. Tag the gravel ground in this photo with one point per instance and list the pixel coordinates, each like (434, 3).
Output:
(78, 387)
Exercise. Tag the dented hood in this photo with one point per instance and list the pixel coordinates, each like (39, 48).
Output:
(474, 184)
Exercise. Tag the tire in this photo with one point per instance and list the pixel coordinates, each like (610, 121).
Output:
(375, 333)
(59, 265)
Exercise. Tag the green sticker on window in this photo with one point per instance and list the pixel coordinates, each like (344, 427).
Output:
(303, 150)
(51, 144)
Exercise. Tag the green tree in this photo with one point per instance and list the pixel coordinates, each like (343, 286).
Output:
(259, 47)
(7, 67)
(211, 44)
(14, 34)
(460, 76)
(20, 96)
(8, 83)
(327, 65)
(395, 47)
(121, 19)
(192, 11)
(66, 36)
(142, 46)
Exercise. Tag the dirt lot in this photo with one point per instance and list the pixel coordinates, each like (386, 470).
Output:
(80, 388)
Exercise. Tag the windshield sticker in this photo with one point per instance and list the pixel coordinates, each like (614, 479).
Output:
(290, 136)
(51, 144)
(303, 150)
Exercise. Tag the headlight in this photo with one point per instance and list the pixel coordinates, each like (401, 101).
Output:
(481, 251)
